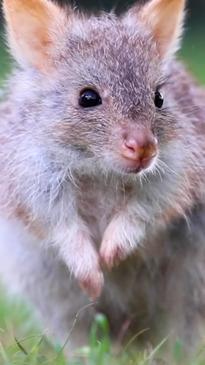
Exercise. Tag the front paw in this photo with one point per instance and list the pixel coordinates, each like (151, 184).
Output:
(88, 272)
(78, 252)
(92, 284)
(120, 240)
(112, 253)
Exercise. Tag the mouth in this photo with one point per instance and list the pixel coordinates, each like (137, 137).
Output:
(135, 169)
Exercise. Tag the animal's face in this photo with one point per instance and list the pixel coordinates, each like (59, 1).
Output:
(109, 86)
(106, 104)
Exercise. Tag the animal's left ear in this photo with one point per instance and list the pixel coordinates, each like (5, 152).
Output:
(165, 20)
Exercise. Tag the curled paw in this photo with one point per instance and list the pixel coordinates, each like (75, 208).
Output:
(92, 284)
(112, 254)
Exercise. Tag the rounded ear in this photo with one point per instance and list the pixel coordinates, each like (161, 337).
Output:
(33, 26)
(164, 18)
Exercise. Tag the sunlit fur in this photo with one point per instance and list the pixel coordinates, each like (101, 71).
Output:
(67, 204)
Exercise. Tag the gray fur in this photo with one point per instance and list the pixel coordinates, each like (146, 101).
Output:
(60, 163)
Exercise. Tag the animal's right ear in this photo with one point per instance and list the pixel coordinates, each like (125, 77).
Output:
(33, 27)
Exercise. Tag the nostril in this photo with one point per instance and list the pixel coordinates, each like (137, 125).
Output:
(130, 150)
(138, 151)
(131, 145)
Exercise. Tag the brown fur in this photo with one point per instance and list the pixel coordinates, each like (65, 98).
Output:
(34, 227)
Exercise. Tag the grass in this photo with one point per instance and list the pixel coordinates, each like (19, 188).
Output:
(22, 342)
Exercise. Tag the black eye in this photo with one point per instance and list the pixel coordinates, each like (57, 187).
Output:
(159, 99)
(89, 98)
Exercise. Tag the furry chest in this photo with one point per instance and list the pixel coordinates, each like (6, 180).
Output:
(98, 203)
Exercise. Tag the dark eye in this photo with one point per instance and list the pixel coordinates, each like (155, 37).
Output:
(89, 98)
(159, 99)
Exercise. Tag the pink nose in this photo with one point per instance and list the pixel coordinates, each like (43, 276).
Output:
(139, 149)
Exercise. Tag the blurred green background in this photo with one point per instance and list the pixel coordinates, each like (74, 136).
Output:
(193, 50)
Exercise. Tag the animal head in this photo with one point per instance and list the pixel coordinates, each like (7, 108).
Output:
(95, 90)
